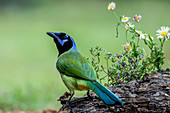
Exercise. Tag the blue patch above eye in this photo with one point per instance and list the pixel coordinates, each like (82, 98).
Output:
(57, 34)
(66, 36)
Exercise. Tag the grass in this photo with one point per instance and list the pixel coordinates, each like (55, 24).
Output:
(28, 78)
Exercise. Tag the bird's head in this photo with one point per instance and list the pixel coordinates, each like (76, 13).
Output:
(63, 42)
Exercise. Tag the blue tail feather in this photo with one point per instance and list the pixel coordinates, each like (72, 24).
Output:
(104, 94)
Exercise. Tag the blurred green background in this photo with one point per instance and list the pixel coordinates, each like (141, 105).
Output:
(28, 77)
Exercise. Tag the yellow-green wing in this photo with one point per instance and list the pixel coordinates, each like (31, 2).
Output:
(73, 64)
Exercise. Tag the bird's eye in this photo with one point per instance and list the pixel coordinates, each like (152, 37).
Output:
(66, 36)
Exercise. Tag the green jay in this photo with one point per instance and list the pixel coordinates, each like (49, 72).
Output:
(77, 72)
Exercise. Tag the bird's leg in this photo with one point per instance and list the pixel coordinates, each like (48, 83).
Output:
(89, 94)
(72, 93)
(68, 102)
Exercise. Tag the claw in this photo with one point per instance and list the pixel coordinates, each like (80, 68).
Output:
(64, 96)
(65, 99)
(67, 103)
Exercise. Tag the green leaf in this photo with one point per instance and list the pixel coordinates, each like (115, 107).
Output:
(145, 42)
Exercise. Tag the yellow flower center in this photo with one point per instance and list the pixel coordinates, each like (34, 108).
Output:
(141, 34)
(148, 37)
(127, 47)
(125, 18)
(137, 18)
(111, 6)
(164, 33)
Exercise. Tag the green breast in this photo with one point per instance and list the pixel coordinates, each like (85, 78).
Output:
(73, 64)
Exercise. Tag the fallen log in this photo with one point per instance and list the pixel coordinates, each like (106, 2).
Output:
(151, 95)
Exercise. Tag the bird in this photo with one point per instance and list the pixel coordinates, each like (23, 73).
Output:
(77, 72)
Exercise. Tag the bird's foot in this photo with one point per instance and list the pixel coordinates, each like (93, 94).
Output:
(64, 96)
(65, 100)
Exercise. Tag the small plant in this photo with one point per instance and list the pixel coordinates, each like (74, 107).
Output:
(132, 63)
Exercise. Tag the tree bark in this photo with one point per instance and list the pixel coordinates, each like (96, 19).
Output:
(151, 95)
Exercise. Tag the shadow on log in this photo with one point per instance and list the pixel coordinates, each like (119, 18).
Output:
(151, 95)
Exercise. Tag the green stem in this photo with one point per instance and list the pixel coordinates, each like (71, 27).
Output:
(107, 70)
(126, 36)
(117, 32)
(116, 16)
(137, 42)
(162, 43)
(150, 47)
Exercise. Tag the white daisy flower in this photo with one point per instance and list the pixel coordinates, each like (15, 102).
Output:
(163, 32)
(125, 19)
(148, 39)
(137, 18)
(141, 35)
(129, 25)
(112, 6)
(138, 32)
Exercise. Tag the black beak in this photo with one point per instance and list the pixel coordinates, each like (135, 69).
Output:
(51, 34)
